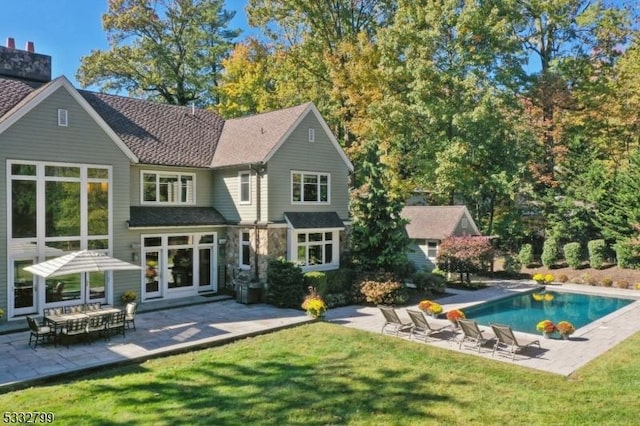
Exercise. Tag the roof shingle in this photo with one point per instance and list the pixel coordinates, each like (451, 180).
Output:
(434, 222)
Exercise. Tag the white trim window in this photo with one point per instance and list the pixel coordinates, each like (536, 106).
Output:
(310, 188)
(315, 249)
(432, 249)
(167, 187)
(245, 250)
(244, 187)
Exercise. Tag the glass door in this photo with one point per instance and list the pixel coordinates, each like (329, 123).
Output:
(205, 270)
(152, 261)
(24, 295)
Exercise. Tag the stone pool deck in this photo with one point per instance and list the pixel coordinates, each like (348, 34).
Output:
(556, 356)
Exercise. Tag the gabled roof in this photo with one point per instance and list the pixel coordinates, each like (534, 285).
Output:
(158, 133)
(436, 222)
(254, 139)
(161, 134)
(24, 101)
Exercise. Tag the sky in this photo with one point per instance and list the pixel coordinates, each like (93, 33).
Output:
(67, 30)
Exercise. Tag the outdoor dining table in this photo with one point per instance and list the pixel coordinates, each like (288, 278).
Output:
(58, 321)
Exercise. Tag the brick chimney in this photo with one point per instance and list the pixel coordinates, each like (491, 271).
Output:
(24, 64)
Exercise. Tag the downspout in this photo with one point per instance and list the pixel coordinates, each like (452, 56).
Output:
(259, 169)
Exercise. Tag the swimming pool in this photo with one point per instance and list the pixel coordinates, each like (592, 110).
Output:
(522, 311)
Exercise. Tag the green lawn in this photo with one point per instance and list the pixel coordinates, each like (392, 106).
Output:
(322, 373)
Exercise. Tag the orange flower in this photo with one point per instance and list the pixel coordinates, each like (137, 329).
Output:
(455, 315)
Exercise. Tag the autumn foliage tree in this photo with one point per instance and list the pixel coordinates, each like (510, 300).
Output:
(464, 255)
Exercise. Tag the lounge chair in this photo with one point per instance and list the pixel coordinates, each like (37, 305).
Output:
(421, 326)
(392, 320)
(508, 340)
(472, 333)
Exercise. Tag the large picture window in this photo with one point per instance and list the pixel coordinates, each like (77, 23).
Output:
(316, 249)
(309, 187)
(54, 208)
(168, 188)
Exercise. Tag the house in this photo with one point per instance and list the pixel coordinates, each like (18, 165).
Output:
(429, 225)
(188, 196)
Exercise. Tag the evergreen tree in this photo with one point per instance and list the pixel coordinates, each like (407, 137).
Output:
(378, 237)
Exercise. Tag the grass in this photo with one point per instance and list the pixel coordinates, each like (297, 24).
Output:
(323, 373)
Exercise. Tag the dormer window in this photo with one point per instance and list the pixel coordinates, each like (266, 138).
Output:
(167, 188)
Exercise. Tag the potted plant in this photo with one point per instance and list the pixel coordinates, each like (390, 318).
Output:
(128, 296)
(454, 315)
(432, 308)
(314, 304)
(547, 327)
(565, 328)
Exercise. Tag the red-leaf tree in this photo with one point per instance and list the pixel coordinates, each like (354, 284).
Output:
(464, 254)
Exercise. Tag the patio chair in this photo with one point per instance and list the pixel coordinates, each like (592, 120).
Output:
(506, 338)
(421, 326)
(392, 320)
(74, 328)
(472, 333)
(116, 323)
(97, 325)
(52, 311)
(130, 314)
(39, 332)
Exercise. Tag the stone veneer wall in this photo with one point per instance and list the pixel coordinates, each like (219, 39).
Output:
(272, 244)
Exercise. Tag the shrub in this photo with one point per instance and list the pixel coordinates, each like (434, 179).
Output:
(512, 264)
(573, 255)
(388, 292)
(526, 255)
(622, 284)
(286, 284)
(340, 280)
(588, 279)
(317, 280)
(607, 282)
(597, 253)
(626, 254)
(427, 282)
(336, 299)
(563, 278)
(549, 252)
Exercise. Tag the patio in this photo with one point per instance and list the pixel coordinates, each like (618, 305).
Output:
(211, 321)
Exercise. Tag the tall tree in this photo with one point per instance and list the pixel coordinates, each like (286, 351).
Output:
(377, 237)
(313, 39)
(169, 50)
(450, 68)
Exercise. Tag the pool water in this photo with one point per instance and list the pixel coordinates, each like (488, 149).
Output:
(523, 312)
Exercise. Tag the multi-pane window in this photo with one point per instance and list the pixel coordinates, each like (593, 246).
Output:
(169, 188)
(432, 249)
(315, 248)
(56, 208)
(245, 187)
(309, 187)
(245, 250)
